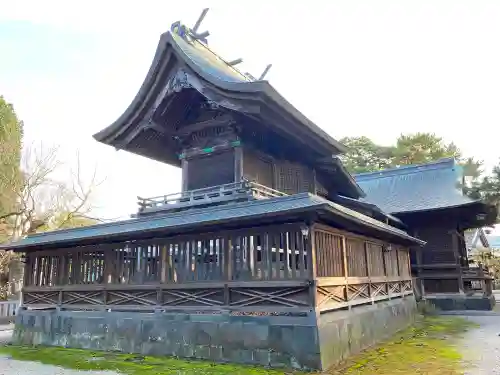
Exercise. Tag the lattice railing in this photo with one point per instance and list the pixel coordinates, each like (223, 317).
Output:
(267, 253)
(332, 294)
(242, 297)
(211, 195)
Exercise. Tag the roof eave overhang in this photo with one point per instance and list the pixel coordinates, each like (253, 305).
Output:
(395, 233)
(444, 208)
(401, 237)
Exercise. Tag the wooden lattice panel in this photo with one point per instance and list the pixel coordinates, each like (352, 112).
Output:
(406, 286)
(193, 297)
(379, 290)
(330, 294)
(132, 297)
(359, 291)
(96, 298)
(394, 287)
(41, 298)
(278, 297)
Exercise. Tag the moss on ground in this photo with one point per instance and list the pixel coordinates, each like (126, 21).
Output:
(426, 348)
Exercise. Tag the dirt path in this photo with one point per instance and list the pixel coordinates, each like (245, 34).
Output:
(481, 346)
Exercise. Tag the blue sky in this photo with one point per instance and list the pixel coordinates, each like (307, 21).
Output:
(354, 67)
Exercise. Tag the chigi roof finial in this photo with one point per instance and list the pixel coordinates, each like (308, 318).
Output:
(184, 31)
(193, 34)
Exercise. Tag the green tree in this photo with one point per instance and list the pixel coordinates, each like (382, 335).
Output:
(11, 135)
(421, 148)
(364, 155)
(486, 187)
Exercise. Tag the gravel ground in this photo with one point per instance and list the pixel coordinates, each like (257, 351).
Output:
(12, 367)
(481, 346)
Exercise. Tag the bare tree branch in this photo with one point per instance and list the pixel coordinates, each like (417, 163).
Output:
(46, 203)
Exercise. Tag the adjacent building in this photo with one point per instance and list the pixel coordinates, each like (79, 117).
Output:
(428, 199)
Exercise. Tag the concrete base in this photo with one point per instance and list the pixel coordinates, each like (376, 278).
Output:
(297, 342)
(450, 302)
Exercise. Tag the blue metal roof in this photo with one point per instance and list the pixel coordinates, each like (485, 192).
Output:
(203, 216)
(419, 187)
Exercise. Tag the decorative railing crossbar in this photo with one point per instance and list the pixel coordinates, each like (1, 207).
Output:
(242, 190)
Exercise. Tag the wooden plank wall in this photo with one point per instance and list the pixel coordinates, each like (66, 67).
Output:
(353, 270)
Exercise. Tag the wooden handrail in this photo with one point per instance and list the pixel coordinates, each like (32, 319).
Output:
(214, 194)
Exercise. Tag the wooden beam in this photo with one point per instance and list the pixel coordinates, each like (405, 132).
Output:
(187, 129)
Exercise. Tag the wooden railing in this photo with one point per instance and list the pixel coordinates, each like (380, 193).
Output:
(478, 278)
(354, 270)
(211, 195)
(283, 268)
(291, 296)
(265, 253)
(8, 310)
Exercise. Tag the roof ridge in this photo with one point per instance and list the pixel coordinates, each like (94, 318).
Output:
(407, 169)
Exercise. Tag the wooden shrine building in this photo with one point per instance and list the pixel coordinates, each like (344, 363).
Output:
(429, 199)
(265, 256)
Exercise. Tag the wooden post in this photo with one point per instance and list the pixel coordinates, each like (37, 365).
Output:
(185, 178)
(164, 263)
(238, 164)
(368, 273)
(28, 269)
(109, 264)
(384, 265)
(311, 250)
(456, 252)
(345, 265)
(314, 182)
(228, 253)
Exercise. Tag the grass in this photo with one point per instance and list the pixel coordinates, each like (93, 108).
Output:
(425, 348)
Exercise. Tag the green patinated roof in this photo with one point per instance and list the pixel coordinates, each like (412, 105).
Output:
(172, 223)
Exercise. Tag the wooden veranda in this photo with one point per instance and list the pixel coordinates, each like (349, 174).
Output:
(290, 268)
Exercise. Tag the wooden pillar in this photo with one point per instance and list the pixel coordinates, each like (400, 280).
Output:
(419, 253)
(238, 163)
(311, 251)
(314, 182)
(368, 273)
(164, 263)
(184, 166)
(456, 251)
(346, 268)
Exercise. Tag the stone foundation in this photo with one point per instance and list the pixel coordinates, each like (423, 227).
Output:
(296, 342)
(344, 333)
(456, 301)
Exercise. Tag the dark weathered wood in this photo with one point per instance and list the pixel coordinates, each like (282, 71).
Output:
(230, 270)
